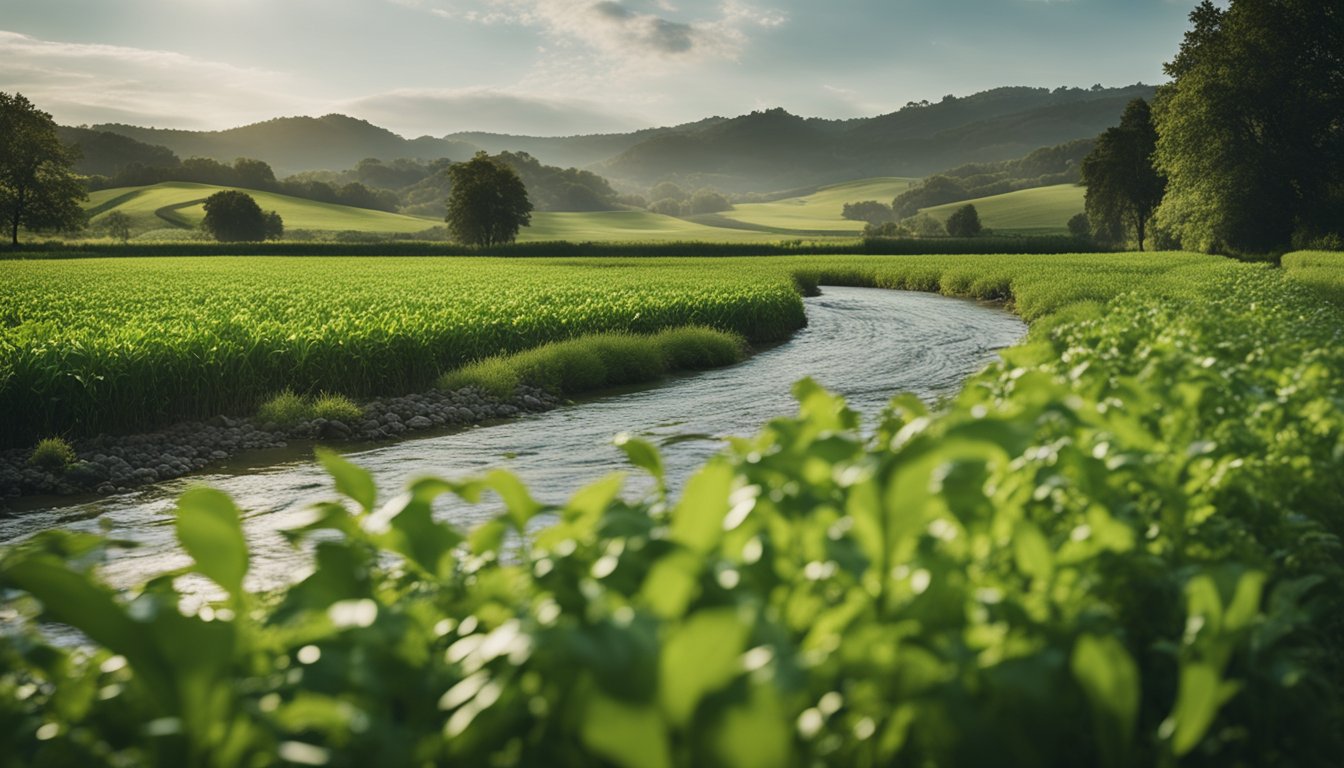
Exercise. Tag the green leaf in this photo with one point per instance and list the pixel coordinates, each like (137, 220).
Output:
(697, 521)
(351, 480)
(1197, 702)
(413, 531)
(587, 506)
(1110, 679)
(756, 733)
(210, 528)
(1032, 552)
(643, 455)
(520, 505)
(629, 735)
(698, 658)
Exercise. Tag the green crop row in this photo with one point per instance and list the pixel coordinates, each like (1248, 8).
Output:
(108, 345)
(1118, 547)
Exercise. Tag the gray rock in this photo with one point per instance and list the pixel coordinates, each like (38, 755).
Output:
(419, 422)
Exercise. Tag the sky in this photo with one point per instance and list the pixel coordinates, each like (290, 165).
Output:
(557, 67)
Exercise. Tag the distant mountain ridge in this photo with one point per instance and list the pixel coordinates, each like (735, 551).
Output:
(764, 151)
(296, 144)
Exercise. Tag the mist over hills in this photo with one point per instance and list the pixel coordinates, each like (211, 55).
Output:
(760, 152)
(296, 144)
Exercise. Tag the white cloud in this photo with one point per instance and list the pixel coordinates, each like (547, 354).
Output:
(84, 83)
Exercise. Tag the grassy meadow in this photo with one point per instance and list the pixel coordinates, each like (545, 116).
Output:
(819, 211)
(180, 204)
(1118, 546)
(159, 210)
(1039, 210)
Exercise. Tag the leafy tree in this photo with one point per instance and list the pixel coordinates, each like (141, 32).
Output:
(1123, 187)
(1250, 135)
(253, 174)
(924, 225)
(233, 216)
(38, 188)
(709, 201)
(871, 211)
(964, 222)
(668, 206)
(117, 225)
(488, 202)
(666, 190)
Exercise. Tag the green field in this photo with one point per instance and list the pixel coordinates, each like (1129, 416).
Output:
(630, 226)
(1039, 210)
(819, 211)
(1120, 546)
(178, 204)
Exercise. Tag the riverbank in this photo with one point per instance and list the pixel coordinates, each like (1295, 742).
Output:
(108, 464)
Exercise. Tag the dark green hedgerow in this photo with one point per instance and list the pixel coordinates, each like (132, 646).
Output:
(1119, 547)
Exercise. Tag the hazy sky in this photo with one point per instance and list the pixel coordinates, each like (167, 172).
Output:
(556, 67)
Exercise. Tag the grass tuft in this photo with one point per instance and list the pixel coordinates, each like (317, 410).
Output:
(285, 409)
(52, 453)
(288, 409)
(336, 408)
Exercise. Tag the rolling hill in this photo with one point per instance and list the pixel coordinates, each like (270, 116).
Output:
(179, 204)
(819, 210)
(1035, 210)
(296, 144)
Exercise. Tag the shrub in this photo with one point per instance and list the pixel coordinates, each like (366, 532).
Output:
(53, 454)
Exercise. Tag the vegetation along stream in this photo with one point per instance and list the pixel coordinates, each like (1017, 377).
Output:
(866, 344)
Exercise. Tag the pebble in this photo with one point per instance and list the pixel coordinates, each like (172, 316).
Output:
(108, 464)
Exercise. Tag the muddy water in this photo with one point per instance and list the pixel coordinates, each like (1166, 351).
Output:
(866, 344)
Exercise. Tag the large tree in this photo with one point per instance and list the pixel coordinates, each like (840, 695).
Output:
(38, 188)
(1123, 187)
(1250, 130)
(233, 216)
(488, 202)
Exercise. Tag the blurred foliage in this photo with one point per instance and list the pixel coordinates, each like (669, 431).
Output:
(1117, 547)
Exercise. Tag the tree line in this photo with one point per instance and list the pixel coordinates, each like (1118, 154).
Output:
(1242, 152)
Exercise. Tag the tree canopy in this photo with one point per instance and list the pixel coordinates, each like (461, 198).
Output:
(1123, 187)
(1249, 129)
(38, 188)
(964, 222)
(488, 202)
(233, 216)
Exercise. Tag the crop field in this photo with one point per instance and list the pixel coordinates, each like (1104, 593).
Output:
(1119, 546)
(820, 210)
(1040, 210)
(106, 344)
(179, 204)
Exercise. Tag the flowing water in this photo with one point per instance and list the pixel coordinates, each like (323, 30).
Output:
(865, 344)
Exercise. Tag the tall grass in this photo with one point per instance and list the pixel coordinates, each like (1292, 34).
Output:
(599, 361)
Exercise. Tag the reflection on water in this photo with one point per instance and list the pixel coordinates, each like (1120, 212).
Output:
(866, 344)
